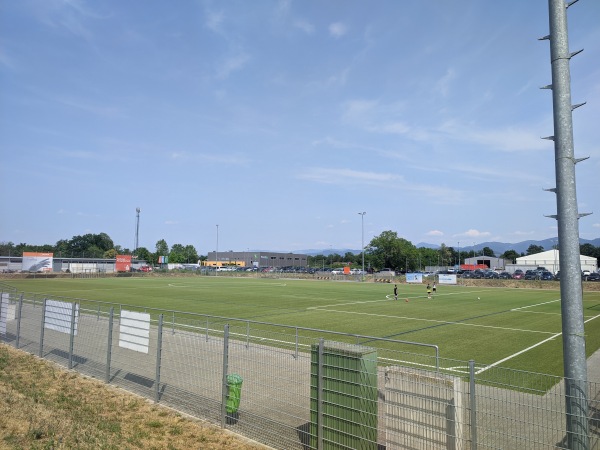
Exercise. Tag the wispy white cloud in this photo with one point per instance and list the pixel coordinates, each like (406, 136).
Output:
(434, 233)
(443, 84)
(111, 112)
(232, 64)
(214, 21)
(337, 29)
(346, 176)
(505, 138)
(218, 157)
(305, 26)
(474, 234)
(342, 177)
(75, 16)
(5, 60)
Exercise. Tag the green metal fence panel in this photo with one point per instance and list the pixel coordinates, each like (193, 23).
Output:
(348, 384)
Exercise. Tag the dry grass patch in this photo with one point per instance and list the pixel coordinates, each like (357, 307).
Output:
(43, 406)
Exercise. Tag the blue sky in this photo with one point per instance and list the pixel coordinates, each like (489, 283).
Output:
(280, 121)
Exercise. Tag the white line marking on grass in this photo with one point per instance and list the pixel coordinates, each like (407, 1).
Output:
(517, 354)
(436, 321)
(537, 304)
(178, 285)
(528, 348)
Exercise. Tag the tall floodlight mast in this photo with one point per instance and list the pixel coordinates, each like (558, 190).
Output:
(137, 230)
(574, 358)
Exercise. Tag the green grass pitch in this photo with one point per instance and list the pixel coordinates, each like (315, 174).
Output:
(516, 328)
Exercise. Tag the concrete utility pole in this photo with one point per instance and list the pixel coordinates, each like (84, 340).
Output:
(574, 358)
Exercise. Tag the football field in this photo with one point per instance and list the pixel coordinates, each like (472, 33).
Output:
(509, 327)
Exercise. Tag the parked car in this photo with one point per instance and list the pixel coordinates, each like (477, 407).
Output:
(337, 271)
(593, 277)
(467, 274)
(531, 275)
(518, 274)
(547, 275)
(505, 276)
(490, 274)
(386, 272)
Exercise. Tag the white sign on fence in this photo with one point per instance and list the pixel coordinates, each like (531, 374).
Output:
(414, 277)
(447, 279)
(134, 331)
(3, 312)
(58, 316)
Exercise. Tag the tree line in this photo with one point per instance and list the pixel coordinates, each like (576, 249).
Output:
(102, 246)
(385, 250)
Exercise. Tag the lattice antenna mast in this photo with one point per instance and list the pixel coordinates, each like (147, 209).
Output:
(574, 358)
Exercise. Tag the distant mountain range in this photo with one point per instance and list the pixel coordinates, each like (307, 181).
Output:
(497, 247)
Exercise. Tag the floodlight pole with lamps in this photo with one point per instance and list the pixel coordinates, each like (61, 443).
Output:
(362, 220)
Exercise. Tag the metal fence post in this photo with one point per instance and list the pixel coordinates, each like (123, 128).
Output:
(72, 335)
(206, 330)
(158, 359)
(296, 356)
(320, 396)
(41, 352)
(109, 343)
(247, 334)
(19, 321)
(173, 324)
(224, 378)
(473, 404)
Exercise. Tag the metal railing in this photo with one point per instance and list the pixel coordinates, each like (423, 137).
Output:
(302, 388)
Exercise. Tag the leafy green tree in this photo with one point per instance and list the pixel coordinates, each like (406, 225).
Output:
(93, 251)
(144, 255)
(388, 250)
(177, 254)
(533, 249)
(7, 248)
(103, 241)
(510, 255)
(587, 250)
(445, 255)
(488, 252)
(112, 253)
(191, 254)
(162, 249)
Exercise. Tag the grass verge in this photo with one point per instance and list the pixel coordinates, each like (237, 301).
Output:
(43, 406)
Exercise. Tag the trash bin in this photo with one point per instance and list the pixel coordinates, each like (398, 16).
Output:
(234, 392)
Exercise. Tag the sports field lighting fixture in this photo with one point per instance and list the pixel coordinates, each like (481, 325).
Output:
(362, 220)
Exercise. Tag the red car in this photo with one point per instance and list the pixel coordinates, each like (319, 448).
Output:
(518, 275)
(146, 269)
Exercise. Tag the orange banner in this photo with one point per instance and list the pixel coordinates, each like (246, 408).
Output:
(123, 263)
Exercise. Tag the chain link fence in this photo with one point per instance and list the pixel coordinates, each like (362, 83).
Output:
(297, 388)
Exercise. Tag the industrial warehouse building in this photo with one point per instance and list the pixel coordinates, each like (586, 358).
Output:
(550, 260)
(255, 259)
(491, 262)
